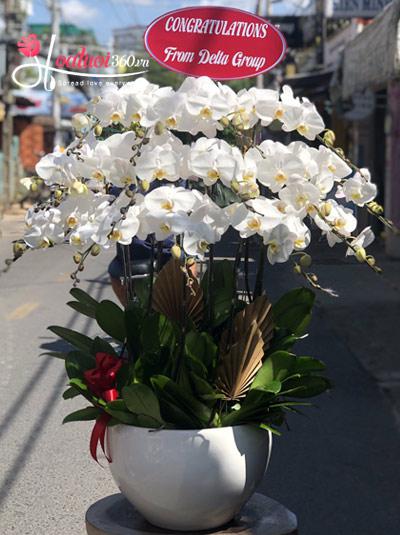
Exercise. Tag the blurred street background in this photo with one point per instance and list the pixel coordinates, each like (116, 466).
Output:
(338, 469)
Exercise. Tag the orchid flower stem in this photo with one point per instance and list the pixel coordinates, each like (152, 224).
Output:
(152, 257)
(210, 280)
(236, 266)
(246, 269)
(258, 287)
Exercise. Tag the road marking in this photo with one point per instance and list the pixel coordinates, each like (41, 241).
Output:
(22, 311)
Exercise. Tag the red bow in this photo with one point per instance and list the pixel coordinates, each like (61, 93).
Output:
(101, 381)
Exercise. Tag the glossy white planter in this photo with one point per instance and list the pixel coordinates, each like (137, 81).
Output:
(188, 480)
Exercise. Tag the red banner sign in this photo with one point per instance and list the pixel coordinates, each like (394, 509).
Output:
(219, 42)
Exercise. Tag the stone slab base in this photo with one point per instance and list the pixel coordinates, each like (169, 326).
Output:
(114, 515)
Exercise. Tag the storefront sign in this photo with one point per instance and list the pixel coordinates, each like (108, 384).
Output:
(363, 9)
(218, 42)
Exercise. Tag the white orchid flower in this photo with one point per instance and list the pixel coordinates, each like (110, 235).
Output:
(365, 238)
(267, 105)
(280, 244)
(159, 162)
(302, 117)
(358, 189)
(302, 196)
(110, 107)
(276, 171)
(56, 168)
(213, 160)
(167, 200)
(44, 228)
(330, 163)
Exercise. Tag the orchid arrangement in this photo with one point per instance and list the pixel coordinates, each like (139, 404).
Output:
(188, 165)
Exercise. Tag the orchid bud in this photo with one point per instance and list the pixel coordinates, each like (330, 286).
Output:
(77, 258)
(176, 251)
(78, 188)
(340, 152)
(159, 128)
(326, 209)
(34, 187)
(95, 250)
(58, 194)
(80, 122)
(190, 262)
(145, 185)
(361, 254)
(297, 269)
(98, 130)
(18, 248)
(235, 186)
(371, 260)
(305, 261)
(224, 121)
(314, 278)
(329, 137)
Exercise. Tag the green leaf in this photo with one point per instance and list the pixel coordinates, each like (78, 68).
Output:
(133, 318)
(221, 290)
(141, 400)
(77, 362)
(168, 391)
(269, 428)
(200, 347)
(276, 367)
(293, 310)
(82, 415)
(78, 340)
(224, 196)
(83, 297)
(305, 387)
(309, 364)
(118, 410)
(70, 393)
(56, 354)
(82, 308)
(142, 289)
(102, 346)
(111, 319)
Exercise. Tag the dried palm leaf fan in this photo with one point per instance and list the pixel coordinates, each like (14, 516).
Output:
(242, 348)
(259, 310)
(177, 294)
(240, 363)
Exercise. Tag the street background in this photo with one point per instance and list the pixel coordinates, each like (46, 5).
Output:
(338, 467)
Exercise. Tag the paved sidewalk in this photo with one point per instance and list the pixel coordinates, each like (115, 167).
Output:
(338, 468)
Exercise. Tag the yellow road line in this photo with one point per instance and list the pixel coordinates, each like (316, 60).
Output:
(22, 311)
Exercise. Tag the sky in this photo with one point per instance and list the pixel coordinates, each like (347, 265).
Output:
(104, 15)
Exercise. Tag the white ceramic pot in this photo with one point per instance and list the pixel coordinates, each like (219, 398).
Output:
(188, 480)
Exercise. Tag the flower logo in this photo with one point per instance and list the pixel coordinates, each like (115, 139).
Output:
(29, 46)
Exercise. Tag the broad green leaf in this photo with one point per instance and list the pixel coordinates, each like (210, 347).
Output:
(133, 318)
(111, 319)
(142, 289)
(309, 364)
(173, 394)
(118, 410)
(102, 346)
(77, 362)
(83, 297)
(141, 400)
(201, 348)
(83, 308)
(70, 393)
(293, 310)
(82, 415)
(305, 387)
(56, 354)
(76, 339)
(221, 292)
(203, 388)
(276, 367)
(269, 428)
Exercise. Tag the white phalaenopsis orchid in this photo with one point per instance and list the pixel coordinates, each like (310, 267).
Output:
(145, 174)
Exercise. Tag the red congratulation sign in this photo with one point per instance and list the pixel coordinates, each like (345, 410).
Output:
(219, 42)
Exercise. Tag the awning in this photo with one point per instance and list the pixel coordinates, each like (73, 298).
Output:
(372, 58)
(313, 84)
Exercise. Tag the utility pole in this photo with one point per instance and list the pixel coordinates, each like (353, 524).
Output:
(259, 12)
(321, 30)
(55, 8)
(13, 20)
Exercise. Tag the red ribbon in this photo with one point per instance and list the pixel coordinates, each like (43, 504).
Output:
(101, 381)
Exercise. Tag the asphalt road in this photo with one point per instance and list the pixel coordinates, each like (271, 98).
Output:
(338, 468)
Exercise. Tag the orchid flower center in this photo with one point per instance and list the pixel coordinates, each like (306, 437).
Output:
(254, 223)
(116, 117)
(167, 205)
(159, 174)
